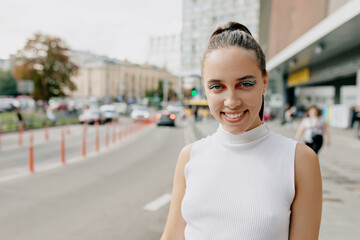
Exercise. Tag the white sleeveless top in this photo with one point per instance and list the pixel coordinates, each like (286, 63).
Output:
(239, 186)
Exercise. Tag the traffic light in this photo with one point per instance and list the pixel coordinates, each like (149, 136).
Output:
(194, 92)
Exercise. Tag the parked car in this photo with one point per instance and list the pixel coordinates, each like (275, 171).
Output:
(165, 118)
(91, 116)
(121, 108)
(140, 113)
(109, 113)
(7, 104)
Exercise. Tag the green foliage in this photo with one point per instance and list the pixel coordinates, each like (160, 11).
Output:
(43, 60)
(7, 84)
(159, 92)
(9, 121)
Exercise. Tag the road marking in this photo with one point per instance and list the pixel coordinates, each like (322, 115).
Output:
(14, 176)
(46, 167)
(15, 173)
(158, 203)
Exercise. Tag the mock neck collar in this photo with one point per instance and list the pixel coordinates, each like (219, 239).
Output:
(246, 137)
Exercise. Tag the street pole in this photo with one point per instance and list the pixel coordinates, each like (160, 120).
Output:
(165, 91)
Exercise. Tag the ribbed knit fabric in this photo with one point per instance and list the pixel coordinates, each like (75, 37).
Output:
(239, 187)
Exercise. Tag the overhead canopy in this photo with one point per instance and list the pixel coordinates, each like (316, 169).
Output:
(336, 34)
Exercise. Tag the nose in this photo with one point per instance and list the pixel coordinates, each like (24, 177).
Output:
(232, 100)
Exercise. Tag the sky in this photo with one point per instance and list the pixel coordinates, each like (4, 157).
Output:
(116, 28)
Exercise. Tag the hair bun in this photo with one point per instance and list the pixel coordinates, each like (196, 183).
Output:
(231, 26)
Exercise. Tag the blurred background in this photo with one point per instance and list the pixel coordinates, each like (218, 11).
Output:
(97, 98)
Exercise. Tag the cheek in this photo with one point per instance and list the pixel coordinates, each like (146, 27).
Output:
(214, 102)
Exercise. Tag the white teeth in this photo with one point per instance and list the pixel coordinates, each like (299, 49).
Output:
(233, 116)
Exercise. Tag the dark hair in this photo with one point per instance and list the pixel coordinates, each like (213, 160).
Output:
(233, 34)
(318, 111)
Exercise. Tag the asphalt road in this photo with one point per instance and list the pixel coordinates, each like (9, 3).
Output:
(100, 198)
(15, 158)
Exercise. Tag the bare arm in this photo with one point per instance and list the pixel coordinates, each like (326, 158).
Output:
(307, 205)
(326, 133)
(300, 131)
(175, 225)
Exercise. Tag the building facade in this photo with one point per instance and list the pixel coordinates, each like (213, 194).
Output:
(313, 60)
(165, 51)
(103, 77)
(200, 19)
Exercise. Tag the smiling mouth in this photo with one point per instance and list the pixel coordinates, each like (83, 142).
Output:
(234, 116)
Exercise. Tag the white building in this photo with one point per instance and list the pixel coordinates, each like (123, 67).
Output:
(165, 51)
(200, 19)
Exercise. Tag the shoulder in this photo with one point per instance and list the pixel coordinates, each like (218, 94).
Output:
(305, 156)
(307, 165)
(184, 155)
(307, 204)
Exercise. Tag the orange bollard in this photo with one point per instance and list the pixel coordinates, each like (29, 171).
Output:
(114, 132)
(68, 129)
(62, 146)
(31, 152)
(20, 134)
(84, 141)
(120, 133)
(97, 145)
(46, 135)
(107, 135)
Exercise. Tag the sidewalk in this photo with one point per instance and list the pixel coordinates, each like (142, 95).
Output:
(340, 168)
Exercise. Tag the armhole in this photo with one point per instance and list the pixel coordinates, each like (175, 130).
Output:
(293, 176)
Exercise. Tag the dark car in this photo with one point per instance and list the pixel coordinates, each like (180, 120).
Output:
(165, 118)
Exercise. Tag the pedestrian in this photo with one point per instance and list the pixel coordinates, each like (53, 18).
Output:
(289, 113)
(244, 181)
(51, 115)
(20, 118)
(355, 121)
(196, 113)
(313, 126)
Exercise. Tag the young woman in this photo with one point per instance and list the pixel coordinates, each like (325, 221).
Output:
(244, 181)
(314, 127)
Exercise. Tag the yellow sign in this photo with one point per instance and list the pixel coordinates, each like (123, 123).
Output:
(197, 102)
(299, 77)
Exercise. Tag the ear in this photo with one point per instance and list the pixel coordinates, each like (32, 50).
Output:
(265, 81)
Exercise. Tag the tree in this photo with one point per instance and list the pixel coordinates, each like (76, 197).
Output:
(43, 60)
(7, 84)
(159, 92)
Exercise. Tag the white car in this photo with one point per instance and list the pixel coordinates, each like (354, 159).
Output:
(109, 112)
(91, 116)
(140, 113)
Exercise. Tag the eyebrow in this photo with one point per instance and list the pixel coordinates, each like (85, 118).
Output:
(246, 77)
(239, 79)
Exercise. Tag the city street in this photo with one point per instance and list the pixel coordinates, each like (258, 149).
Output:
(14, 159)
(100, 198)
(123, 192)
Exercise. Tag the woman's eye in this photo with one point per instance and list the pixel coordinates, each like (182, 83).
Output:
(246, 84)
(216, 87)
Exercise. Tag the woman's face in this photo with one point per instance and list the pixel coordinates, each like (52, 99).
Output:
(234, 87)
(313, 112)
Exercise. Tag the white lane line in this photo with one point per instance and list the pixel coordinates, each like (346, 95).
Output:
(46, 167)
(14, 176)
(158, 203)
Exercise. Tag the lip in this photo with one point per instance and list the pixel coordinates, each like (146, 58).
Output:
(230, 120)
